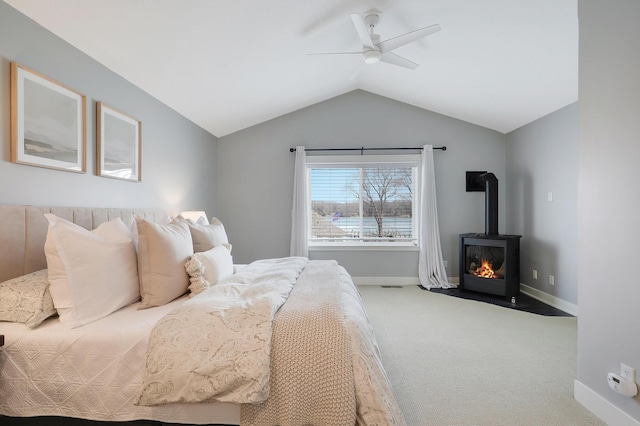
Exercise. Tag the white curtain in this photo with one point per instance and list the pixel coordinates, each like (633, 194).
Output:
(431, 269)
(299, 215)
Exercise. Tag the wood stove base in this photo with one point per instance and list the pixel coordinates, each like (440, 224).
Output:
(494, 286)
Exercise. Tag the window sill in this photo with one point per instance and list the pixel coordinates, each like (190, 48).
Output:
(368, 247)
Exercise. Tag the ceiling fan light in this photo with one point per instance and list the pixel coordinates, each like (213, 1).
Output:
(371, 56)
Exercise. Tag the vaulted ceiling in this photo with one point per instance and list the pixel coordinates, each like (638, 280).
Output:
(230, 64)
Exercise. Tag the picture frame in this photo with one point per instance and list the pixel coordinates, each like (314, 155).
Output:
(48, 122)
(119, 144)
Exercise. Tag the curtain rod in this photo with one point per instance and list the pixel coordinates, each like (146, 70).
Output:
(362, 149)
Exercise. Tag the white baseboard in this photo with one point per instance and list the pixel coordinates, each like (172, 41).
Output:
(386, 280)
(605, 410)
(393, 280)
(550, 300)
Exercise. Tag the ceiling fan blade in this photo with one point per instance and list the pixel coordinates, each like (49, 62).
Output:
(392, 58)
(401, 40)
(361, 28)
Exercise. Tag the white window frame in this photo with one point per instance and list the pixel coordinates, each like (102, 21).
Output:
(359, 161)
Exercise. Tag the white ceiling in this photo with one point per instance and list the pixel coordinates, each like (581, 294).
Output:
(229, 64)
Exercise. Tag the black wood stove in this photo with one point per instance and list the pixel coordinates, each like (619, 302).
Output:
(490, 262)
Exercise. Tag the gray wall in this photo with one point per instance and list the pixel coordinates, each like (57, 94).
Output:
(178, 157)
(256, 170)
(609, 199)
(542, 157)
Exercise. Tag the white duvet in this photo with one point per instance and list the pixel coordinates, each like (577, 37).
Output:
(216, 346)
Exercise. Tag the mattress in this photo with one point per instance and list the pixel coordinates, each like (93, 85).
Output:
(91, 372)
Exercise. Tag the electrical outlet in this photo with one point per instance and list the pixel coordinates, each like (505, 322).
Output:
(627, 372)
(446, 264)
(552, 280)
(535, 274)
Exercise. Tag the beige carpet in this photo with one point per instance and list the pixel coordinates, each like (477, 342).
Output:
(453, 361)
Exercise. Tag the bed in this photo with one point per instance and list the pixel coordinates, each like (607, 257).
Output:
(295, 348)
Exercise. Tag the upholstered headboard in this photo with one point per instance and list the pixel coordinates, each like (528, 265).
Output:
(23, 230)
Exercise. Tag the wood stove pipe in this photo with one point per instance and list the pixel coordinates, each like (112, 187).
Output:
(491, 204)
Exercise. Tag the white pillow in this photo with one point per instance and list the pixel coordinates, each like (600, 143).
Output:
(201, 220)
(91, 273)
(208, 268)
(162, 253)
(205, 237)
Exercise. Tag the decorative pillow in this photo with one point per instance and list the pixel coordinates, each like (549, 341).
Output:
(162, 253)
(206, 237)
(201, 219)
(26, 299)
(208, 268)
(91, 273)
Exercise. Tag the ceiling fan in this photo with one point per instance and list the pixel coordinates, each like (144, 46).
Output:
(374, 50)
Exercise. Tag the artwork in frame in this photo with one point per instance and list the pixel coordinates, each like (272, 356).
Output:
(48, 122)
(119, 144)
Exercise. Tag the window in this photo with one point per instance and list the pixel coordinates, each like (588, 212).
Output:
(363, 200)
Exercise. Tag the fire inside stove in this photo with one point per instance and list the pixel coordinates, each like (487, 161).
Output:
(485, 262)
(485, 270)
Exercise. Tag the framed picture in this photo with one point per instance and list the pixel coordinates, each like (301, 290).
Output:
(119, 144)
(48, 122)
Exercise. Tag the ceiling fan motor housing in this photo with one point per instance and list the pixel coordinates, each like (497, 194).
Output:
(371, 56)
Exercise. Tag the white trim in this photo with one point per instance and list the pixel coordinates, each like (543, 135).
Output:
(402, 281)
(546, 298)
(605, 410)
(386, 280)
(550, 300)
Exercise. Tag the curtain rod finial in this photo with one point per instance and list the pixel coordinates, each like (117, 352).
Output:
(292, 150)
